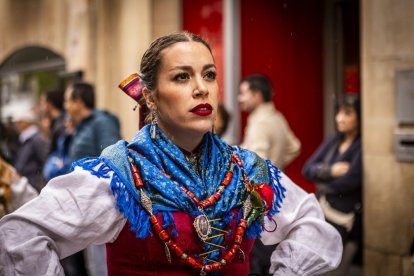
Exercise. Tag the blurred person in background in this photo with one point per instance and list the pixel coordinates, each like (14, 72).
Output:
(52, 107)
(9, 140)
(336, 169)
(44, 127)
(267, 132)
(33, 147)
(58, 161)
(222, 120)
(14, 189)
(93, 130)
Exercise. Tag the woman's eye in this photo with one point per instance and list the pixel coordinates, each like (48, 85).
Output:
(182, 77)
(211, 75)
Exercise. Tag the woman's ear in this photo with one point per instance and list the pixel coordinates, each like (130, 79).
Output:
(149, 99)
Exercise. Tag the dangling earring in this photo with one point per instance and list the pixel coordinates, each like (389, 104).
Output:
(154, 123)
(213, 130)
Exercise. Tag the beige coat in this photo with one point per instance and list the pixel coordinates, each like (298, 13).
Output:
(268, 134)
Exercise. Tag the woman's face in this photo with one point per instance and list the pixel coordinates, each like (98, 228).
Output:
(346, 120)
(187, 90)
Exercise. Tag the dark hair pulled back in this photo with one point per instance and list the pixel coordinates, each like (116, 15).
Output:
(151, 59)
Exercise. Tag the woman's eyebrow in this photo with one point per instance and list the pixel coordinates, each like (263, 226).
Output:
(182, 67)
(208, 66)
(189, 68)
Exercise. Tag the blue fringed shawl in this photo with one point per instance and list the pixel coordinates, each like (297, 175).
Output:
(161, 163)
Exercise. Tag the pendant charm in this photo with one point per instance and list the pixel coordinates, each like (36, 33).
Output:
(146, 202)
(202, 227)
(167, 252)
(247, 207)
(242, 257)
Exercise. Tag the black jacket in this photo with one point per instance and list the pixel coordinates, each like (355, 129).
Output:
(30, 158)
(344, 193)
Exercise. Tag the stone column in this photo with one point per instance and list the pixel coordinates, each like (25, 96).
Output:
(387, 45)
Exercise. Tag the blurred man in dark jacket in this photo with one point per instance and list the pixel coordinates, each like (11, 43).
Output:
(93, 131)
(33, 148)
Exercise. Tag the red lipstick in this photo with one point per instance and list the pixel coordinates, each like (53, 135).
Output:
(202, 109)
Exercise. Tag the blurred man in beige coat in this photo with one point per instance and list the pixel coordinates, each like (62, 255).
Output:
(268, 134)
(267, 131)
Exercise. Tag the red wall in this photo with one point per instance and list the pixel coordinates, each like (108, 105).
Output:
(283, 40)
(205, 18)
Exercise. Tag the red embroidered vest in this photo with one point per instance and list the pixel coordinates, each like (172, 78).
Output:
(129, 255)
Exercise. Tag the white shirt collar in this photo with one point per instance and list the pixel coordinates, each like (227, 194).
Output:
(27, 133)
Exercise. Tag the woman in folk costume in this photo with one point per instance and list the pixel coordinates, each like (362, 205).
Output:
(176, 200)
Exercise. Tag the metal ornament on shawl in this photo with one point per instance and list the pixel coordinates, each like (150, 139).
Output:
(247, 207)
(202, 226)
(146, 202)
(167, 253)
(201, 223)
(242, 256)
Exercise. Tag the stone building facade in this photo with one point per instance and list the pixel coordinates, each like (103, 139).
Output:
(104, 39)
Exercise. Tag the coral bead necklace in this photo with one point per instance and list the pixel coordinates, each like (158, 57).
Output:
(201, 223)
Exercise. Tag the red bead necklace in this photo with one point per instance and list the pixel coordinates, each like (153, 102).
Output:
(211, 200)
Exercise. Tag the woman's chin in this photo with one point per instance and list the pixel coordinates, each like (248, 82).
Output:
(201, 128)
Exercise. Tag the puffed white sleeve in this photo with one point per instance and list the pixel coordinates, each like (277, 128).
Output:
(307, 244)
(71, 212)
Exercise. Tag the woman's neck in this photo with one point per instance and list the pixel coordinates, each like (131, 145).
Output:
(347, 141)
(350, 136)
(187, 141)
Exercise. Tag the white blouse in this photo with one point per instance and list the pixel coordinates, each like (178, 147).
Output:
(78, 209)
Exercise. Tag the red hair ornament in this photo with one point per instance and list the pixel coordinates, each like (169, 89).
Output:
(133, 87)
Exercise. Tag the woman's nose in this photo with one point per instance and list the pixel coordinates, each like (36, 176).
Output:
(339, 117)
(200, 88)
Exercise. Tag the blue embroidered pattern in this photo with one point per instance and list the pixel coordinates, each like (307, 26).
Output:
(163, 167)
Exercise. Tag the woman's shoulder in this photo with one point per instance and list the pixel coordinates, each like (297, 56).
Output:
(246, 155)
(332, 139)
(256, 167)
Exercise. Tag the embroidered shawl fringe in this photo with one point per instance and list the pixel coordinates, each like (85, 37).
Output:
(137, 217)
(277, 187)
(94, 165)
